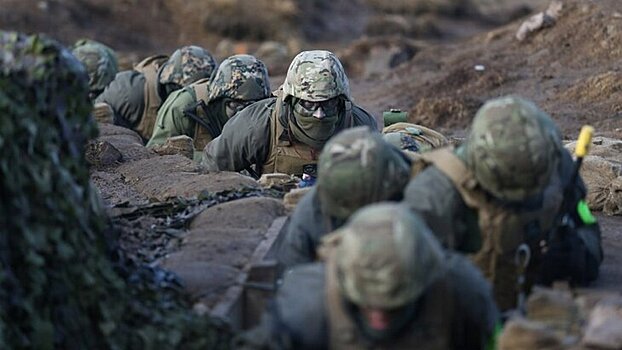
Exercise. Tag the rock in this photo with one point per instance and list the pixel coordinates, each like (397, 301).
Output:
(604, 329)
(181, 144)
(219, 244)
(102, 153)
(294, 196)
(169, 176)
(277, 180)
(103, 113)
(555, 309)
(521, 334)
(613, 202)
(539, 21)
(602, 171)
(127, 141)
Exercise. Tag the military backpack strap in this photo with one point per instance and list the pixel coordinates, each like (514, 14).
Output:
(152, 102)
(454, 168)
(150, 63)
(342, 331)
(349, 120)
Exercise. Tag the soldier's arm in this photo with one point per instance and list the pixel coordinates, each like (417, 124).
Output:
(297, 317)
(302, 233)
(125, 95)
(244, 141)
(477, 318)
(432, 195)
(171, 120)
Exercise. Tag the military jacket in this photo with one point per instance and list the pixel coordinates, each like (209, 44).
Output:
(466, 219)
(455, 312)
(135, 96)
(247, 138)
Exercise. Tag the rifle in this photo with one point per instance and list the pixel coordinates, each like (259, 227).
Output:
(563, 233)
(215, 131)
(190, 112)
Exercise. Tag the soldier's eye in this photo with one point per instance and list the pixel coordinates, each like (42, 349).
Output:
(309, 105)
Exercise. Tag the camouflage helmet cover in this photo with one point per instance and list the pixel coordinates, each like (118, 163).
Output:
(387, 257)
(357, 167)
(513, 148)
(187, 65)
(240, 77)
(316, 76)
(100, 63)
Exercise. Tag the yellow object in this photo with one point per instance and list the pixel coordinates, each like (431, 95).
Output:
(584, 142)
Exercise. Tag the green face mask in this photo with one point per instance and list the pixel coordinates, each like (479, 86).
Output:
(314, 126)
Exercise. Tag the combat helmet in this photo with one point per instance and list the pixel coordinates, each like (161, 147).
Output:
(387, 257)
(513, 148)
(100, 63)
(316, 76)
(240, 77)
(357, 167)
(187, 65)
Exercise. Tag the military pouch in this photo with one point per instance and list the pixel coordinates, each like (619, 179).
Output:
(394, 116)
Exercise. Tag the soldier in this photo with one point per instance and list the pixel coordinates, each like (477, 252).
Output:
(100, 63)
(286, 134)
(202, 109)
(356, 168)
(413, 139)
(500, 196)
(386, 284)
(136, 95)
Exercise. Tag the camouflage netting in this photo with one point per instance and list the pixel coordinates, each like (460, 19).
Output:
(63, 283)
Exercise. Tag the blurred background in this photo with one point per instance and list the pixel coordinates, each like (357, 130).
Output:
(275, 29)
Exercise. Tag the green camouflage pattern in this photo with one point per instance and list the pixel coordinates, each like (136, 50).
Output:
(64, 282)
(513, 148)
(387, 257)
(100, 62)
(316, 76)
(357, 167)
(187, 65)
(240, 77)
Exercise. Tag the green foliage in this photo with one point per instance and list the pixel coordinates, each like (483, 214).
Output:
(63, 282)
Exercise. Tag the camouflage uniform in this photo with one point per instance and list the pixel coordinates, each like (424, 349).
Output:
(505, 187)
(356, 168)
(239, 80)
(136, 95)
(100, 63)
(385, 258)
(277, 134)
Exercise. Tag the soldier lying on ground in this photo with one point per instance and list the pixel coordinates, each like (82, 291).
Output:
(286, 134)
(100, 63)
(502, 193)
(386, 284)
(136, 95)
(202, 109)
(356, 168)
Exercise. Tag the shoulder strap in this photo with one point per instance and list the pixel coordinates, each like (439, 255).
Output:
(342, 331)
(454, 168)
(150, 63)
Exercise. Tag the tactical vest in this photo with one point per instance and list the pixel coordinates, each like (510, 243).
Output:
(287, 155)
(503, 229)
(431, 329)
(201, 135)
(149, 68)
